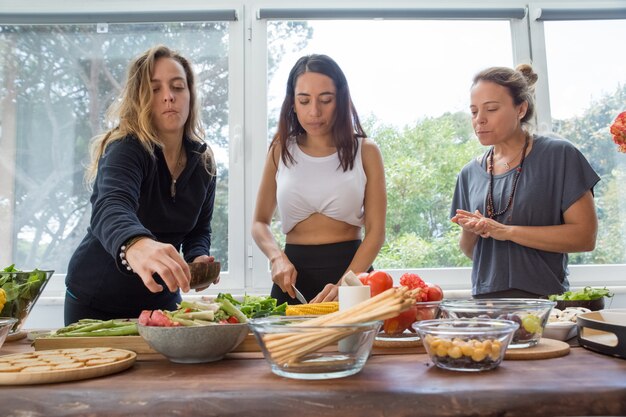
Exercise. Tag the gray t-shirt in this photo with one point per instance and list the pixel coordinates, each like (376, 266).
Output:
(554, 176)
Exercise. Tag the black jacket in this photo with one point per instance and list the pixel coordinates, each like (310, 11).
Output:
(131, 197)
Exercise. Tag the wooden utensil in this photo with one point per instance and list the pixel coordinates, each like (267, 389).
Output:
(203, 274)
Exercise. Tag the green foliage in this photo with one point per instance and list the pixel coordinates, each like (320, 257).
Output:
(56, 89)
(421, 165)
(590, 133)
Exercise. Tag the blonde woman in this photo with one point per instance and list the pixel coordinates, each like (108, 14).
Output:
(153, 179)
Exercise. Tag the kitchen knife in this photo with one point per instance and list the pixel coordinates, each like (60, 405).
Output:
(299, 295)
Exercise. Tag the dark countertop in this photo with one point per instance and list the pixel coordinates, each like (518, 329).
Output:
(579, 384)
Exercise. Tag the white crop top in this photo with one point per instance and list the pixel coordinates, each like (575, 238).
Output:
(319, 185)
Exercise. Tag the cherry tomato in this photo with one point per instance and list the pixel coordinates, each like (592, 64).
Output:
(401, 322)
(379, 281)
(434, 292)
(424, 313)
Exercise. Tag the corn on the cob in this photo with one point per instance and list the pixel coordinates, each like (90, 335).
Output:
(3, 298)
(326, 307)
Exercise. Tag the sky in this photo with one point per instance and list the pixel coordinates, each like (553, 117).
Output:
(402, 71)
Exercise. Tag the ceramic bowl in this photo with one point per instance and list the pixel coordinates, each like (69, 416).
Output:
(593, 305)
(531, 315)
(194, 344)
(468, 344)
(28, 286)
(6, 323)
(295, 350)
(560, 330)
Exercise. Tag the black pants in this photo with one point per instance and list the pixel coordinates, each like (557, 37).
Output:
(512, 293)
(317, 265)
(75, 310)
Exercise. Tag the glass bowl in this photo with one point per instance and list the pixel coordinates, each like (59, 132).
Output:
(22, 289)
(400, 328)
(469, 344)
(531, 315)
(6, 323)
(295, 350)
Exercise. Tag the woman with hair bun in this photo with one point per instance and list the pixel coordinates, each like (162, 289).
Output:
(527, 201)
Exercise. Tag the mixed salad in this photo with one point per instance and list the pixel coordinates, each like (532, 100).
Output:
(587, 293)
(223, 309)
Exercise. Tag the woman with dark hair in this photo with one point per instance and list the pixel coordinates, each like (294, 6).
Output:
(528, 201)
(327, 180)
(153, 180)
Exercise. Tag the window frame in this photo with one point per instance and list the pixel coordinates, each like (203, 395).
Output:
(248, 104)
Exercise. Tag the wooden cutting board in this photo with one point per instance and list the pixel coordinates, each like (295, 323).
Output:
(545, 349)
(135, 343)
(61, 365)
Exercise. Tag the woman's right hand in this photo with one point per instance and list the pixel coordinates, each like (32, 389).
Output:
(147, 256)
(284, 274)
(471, 222)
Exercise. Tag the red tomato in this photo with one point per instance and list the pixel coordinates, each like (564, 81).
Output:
(434, 292)
(379, 281)
(414, 282)
(363, 277)
(401, 322)
(232, 319)
(424, 313)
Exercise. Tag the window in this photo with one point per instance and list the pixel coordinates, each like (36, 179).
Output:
(410, 82)
(409, 72)
(587, 80)
(55, 92)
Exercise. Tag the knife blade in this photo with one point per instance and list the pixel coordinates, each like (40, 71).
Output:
(299, 295)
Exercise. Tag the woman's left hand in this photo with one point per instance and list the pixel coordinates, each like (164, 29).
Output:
(207, 260)
(329, 293)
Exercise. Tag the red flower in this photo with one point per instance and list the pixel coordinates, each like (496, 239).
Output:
(618, 130)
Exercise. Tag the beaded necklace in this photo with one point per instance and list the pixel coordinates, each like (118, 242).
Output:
(491, 213)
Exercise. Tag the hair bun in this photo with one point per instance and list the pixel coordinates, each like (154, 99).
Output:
(528, 73)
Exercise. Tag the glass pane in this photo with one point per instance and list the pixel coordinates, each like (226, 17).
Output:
(54, 92)
(585, 55)
(409, 81)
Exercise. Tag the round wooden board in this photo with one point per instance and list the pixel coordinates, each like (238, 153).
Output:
(15, 336)
(52, 376)
(397, 343)
(545, 349)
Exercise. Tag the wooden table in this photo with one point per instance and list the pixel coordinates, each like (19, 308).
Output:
(579, 384)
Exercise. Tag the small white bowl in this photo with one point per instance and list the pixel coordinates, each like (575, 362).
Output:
(560, 330)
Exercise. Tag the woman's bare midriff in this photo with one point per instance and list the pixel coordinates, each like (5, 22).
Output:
(318, 229)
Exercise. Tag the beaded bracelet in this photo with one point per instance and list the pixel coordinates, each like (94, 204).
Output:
(130, 242)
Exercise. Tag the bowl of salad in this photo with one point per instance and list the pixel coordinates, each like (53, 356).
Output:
(204, 330)
(19, 291)
(588, 297)
(196, 332)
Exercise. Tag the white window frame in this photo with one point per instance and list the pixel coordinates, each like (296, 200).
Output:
(248, 109)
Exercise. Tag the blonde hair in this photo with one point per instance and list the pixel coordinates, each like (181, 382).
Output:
(132, 115)
(520, 82)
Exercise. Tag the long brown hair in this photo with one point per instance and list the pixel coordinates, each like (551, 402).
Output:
(131, 113)
(520, 82)
(346, 128)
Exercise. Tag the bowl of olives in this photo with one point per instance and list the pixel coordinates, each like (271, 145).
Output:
(530, 314)
(466, 344)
